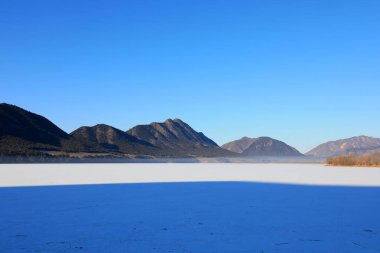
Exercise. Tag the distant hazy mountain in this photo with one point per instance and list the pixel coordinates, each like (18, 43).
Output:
(262, 146)
(178, 138)
(355, 145)
(240, 145)
(109, 138)
(24, 132)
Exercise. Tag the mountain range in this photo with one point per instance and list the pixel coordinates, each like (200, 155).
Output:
(24, 133)
(28, 134)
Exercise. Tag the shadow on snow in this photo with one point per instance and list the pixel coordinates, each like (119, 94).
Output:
(190, 217)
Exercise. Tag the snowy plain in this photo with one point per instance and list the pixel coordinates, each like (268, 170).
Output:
(186, 207)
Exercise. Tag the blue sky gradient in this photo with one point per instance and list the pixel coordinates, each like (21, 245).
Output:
(304, 72)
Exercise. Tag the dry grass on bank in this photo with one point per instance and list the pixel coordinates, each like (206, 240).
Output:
(355, 160)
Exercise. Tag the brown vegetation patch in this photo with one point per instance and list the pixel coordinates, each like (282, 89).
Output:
(355, 160)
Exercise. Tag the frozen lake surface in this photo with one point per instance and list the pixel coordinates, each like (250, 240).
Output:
(74, 174)
(189, 208)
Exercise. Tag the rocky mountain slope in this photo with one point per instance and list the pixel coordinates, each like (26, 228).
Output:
(262, 146)
(355, 145)
(23, 132)
(108, 138)
(240, 145)
(178, 138)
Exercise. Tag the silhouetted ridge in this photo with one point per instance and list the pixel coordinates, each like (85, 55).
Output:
(24, 133)
(17, 122)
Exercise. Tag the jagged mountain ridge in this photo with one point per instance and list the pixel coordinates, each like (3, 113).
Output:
(177, 137)
(24, 133)
(171, 133)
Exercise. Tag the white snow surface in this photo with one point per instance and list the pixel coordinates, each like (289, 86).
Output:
(220, 208)
(73, 174)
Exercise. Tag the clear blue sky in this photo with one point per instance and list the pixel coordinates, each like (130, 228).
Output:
(300, 71)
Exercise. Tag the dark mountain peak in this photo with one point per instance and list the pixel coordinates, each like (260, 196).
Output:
(102, 133)
(177, 120)
(102, 127)
(108, 137)
(20, 123)
(6, 105)
(261, 146)
(169, 121)
(177, 137)
(11, 106)
(169, 133)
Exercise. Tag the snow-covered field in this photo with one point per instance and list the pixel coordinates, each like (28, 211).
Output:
(75, 174)
(189, 208)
